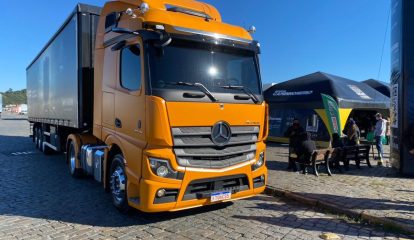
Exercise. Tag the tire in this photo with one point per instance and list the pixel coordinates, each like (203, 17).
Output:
(118, 184)
(71, 158)
(39, 139)
(36, 137)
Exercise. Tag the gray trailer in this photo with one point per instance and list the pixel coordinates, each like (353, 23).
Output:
(60, 79)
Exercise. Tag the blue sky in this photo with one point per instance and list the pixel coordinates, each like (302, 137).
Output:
(298, 37)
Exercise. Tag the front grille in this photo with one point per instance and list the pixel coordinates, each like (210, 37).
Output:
(200, 189)
(193, 147)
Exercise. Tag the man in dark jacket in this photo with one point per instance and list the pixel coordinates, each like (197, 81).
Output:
(305, 150)
(294, 133)
(408, 139)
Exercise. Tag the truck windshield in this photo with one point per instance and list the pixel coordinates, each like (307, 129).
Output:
(213, 66)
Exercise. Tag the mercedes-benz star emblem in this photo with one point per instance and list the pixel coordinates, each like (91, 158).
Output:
(221, 134)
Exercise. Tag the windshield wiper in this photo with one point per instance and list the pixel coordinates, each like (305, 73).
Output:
(199, 86)
(246, 90)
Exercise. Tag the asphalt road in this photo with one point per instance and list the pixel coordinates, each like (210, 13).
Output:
(39, 200)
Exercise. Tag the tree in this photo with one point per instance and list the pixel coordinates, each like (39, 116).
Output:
(14, 97)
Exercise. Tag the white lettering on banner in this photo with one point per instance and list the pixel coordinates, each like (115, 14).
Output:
(275, 119)
(359, 92)
(394, 106)
(286, 93)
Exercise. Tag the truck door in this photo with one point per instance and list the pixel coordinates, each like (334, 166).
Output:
(130, 108)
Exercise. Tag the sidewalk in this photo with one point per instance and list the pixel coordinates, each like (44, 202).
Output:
(377, 194)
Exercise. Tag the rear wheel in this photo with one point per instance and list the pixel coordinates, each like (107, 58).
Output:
(39, 144)
(36, 137)
(71, 155)
(118, 184)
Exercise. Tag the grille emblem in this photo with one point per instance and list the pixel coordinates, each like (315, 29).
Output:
(221, 134)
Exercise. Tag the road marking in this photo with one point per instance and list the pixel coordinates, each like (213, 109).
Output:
(21, 153)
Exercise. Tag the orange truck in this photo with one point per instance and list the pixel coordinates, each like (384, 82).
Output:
(158, 100)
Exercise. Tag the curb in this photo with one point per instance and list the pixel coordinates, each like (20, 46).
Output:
(385, 222)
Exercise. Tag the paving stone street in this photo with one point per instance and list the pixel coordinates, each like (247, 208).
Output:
(378, 191)
(39, 200)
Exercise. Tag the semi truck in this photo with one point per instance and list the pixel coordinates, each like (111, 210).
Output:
(160, 101)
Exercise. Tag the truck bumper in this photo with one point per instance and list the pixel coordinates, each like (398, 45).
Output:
(243, 183)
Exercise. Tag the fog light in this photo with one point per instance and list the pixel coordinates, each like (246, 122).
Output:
(162, 171)
(161, 193)
(262, 178)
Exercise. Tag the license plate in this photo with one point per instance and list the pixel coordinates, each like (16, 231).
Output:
(220, 196)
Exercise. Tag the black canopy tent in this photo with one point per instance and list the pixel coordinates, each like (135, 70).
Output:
(307, 90)
(381, 87)
(301, 98)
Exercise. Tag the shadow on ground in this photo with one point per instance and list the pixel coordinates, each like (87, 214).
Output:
(39, 186)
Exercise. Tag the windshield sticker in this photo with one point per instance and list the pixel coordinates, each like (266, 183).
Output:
(359, 92)
(286, 93)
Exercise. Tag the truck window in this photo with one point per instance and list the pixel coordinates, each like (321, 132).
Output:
(212, 65)
(131, 68)
(111, 21)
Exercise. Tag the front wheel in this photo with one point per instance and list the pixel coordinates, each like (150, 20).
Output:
(118, 184)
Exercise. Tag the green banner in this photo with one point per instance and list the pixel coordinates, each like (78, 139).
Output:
(332, 113)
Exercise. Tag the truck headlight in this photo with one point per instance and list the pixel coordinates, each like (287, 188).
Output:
(162, 168)
(260, 162)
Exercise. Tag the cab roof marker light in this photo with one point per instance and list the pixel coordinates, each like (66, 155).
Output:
(130, 12)
(252, 29)
(159, 27)
(144, 8)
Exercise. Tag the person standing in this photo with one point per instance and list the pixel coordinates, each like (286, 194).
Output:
(294, 134)
(380, 130)
(388, 133)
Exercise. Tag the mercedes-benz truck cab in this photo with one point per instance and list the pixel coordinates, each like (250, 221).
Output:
(177, 116)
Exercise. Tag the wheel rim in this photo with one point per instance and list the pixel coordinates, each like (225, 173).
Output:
(72, 160)
(39, 140)
(118, 184)
(36, 138)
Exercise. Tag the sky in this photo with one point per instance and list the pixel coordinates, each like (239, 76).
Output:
(298, 37)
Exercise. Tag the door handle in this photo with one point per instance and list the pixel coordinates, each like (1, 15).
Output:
(118, 123)
(139, 127)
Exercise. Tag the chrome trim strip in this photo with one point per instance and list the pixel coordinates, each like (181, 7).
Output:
(221, 170)
(214, 35)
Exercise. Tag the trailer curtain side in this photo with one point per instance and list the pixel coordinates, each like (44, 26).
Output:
(60, 78)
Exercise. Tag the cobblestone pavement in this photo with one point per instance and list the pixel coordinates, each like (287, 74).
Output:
(378, 191)
(39, 200)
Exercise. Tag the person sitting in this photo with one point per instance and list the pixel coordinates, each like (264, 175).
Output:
(293, 133)
(353, 133)
(336, 141)
(305, 150)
